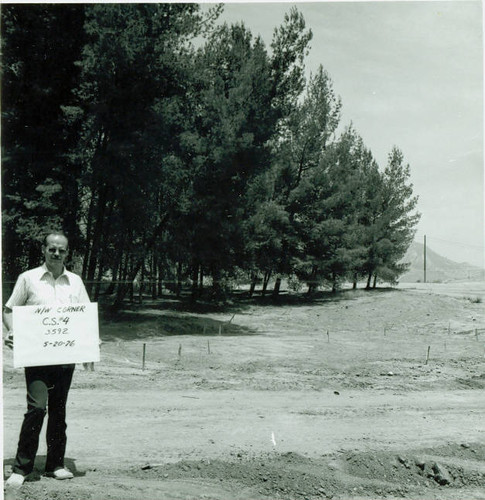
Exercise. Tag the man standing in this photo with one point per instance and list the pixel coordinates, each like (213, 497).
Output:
(47, 386)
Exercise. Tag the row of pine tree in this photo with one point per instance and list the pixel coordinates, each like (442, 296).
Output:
(176, 150)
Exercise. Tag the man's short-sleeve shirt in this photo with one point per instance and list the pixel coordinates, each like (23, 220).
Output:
(38, 286)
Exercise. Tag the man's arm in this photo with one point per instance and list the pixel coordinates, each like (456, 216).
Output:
(7, 322)
(18, 298)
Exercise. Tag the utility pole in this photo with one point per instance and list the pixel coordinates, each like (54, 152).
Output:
(424, 259)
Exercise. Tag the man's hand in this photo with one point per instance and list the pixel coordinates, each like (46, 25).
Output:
(9, 341)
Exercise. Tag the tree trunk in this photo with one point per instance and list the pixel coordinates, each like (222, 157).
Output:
(132, 280)
(178, 290)
(201, 281)
(97, 238)
(369, 277)
(277, 286)
(160, 279)
(33, 255)
(142, 284)
(97, 288)
(312, 286)
(254, 279)
(122, 290)
(102, 257)
(266, 278)
(114, 279)
(89, 225)
(375, 281)
(154, 275)
(122, 285)
(71, 198)
(216, 284)
(117, 268)
(100, 148)
(195, 281)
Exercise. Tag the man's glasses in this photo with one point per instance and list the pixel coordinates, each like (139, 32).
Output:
(62, 251)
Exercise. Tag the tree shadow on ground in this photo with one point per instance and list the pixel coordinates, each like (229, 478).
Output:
(170, 316)
(240, 300)
(146, 323)
(287, 299)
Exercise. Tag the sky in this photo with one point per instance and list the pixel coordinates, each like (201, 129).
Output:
(410, 74)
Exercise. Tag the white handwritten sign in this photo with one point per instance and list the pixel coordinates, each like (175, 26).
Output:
(55, 334)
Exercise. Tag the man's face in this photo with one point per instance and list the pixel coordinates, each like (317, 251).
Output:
(55, 252)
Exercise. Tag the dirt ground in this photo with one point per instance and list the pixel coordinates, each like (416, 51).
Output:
(363, 395)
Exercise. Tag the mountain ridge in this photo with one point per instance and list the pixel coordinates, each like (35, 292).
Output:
(438, 268)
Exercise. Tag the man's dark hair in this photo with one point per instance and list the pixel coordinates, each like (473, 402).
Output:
(54, 233)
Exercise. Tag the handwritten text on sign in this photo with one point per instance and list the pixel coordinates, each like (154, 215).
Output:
(55, 334)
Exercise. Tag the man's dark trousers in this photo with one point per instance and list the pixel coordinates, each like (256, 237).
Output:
(47, 388)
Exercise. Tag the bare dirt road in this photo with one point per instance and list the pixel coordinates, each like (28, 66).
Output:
(363, 395)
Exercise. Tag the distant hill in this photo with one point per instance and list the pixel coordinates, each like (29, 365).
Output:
(438, 268)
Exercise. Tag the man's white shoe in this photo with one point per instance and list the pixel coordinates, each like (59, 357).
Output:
(60, 474)
(14, 481)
